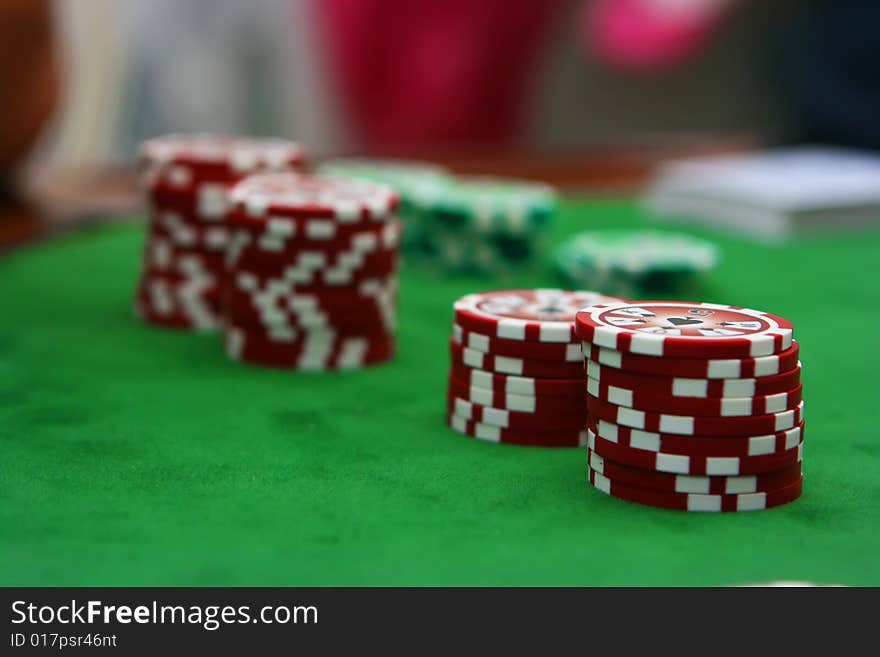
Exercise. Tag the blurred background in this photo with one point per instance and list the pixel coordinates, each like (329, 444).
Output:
(587, 94)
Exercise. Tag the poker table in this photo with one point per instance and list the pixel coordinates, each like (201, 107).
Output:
(139, 456)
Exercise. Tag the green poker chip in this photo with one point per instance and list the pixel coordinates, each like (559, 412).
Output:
(476, 225)
(633, 263)
(494, 205)
(419, 184)
(487, 255)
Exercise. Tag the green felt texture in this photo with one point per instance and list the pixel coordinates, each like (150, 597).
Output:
(138, 456)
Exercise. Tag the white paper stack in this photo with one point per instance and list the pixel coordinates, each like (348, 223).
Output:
(773, 194)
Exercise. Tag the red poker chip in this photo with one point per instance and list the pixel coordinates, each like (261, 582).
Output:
(717, 407)
(490, 433)
(175, 321)
(180, 232)
(277, 293)
(209, 244)
(686, 388)
(172, 311)
(519, 385)
(372, 326)
(317, 351)
(576, 419)
(693, 464)
(698, 368)
(357, 251)
(695, 425)
(204, 204)
(720, 446)
(696, 502)
(161, 255)
(180, 285)
(682, 329)
(272, 307)
(539, 315)
(180, 160)
(564, 352)
(258, 199)
(701, 485)
(363, 312)
(518, 403)
(317, 268)
(289, 234)
(531, 368)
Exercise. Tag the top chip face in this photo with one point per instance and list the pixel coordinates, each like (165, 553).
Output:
(290, 194)
(684, 329)
(240, 155)
(541, 315)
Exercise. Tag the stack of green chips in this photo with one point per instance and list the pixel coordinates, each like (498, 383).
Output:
(465, 224)
(489, 226)
(635, 264)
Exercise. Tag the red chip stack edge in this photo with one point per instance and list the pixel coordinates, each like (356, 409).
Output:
(692, 406)
(185, 179)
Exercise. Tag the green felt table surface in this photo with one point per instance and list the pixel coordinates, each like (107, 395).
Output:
(138, 456)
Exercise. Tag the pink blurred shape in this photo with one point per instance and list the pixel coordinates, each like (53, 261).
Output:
(651, 35)
(417, 74)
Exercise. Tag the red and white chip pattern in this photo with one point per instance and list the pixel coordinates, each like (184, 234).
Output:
(495, 434)
(507, 384)
(695, 425)
(684, 387)
(703, 368)
(696, 484)
(525, 367)
(315, 351)
(186, 234)
(179, 287)
(514, 402)
(185, 179)
(540, 315)
(694, 464)
(314, 287)
(722, 446)
(716, 407)
(692, 406)
(566, 352)
(346, 200)
(683, 329)
(695, 501)
(267, 248)
(574, 419)
(182, 160)
(317, 271)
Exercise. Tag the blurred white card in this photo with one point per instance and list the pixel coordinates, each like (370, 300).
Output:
(771, 194)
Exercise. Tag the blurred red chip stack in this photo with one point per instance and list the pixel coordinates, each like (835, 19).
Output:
(311, 272)
(185, 179)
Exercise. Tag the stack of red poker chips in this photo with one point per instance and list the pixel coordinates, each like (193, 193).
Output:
(693, 406)
(517, 368)
(311, 272)
(185, 179)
